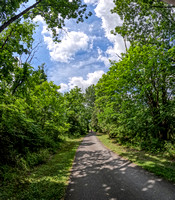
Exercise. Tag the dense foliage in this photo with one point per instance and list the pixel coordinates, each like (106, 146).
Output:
(34, 115)
(54, 12)
(135, 100)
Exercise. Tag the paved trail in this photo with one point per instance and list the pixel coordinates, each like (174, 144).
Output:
(99, 174)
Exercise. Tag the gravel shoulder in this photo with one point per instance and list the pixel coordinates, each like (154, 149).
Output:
(100, 174)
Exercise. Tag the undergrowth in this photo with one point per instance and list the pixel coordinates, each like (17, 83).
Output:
(161, 163)
(47, 180)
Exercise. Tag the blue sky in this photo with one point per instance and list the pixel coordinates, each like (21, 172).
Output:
(83, 54)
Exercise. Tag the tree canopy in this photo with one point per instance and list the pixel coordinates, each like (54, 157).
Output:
(134, 102)
(54, 12)
(34, 115)
(145, 21)
(135, 98)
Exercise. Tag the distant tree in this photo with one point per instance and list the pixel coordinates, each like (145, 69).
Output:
(76, 112)
(90, 96)
(90, 105)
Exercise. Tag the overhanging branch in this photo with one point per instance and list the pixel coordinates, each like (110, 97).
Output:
(2, 27)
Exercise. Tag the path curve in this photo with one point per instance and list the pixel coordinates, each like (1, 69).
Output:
(99, 174)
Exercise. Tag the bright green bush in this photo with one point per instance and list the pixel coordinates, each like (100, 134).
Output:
(18, 134)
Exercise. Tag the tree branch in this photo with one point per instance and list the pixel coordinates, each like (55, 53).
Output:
(32, 53)
(6, 39)
(2, 27)
(126, 48)
(118, 56)
(163, 7)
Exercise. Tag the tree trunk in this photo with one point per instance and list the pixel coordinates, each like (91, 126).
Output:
(3, 26)
(165, 123)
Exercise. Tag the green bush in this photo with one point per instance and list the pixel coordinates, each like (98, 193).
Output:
(154, 145)
(36, 158)
(18, 134)
(170, 149)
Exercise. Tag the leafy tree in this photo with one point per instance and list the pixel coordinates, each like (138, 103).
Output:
(54, 12)
(18, 133)
(90, 96)
(77, 115)
(145, 21)
(135, 100)
(14, 42)
(33, 113)
(90, 104)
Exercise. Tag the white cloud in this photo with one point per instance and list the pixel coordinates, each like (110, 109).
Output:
(92, 78)
(91, 1)
(109, 22)
(71, 43)
(85, 63)
(103, 58)
(84, 38)
(64, 87)
(46, 30)
(91, 26)
(39, 18)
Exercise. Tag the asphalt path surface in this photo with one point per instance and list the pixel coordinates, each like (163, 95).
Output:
(99, 174)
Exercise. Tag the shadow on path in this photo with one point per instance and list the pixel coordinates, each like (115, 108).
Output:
(99, 174)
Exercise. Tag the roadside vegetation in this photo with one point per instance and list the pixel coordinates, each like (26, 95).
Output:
(160, 163)
(45, 181)
(135, 99)
(133, 103)
(35, 117)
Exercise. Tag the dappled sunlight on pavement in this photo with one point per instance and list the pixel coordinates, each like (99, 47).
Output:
(99, 174)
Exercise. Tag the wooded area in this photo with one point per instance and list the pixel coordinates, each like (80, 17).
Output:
(34, 115)
(133, 102)
(135, 99)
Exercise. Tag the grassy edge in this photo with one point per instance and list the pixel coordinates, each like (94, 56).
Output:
(155, 163)
(45, 181)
